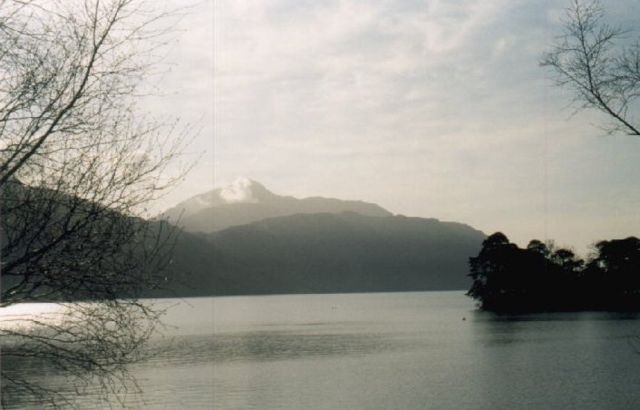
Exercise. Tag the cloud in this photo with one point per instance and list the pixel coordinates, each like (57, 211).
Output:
(239, 191)
(350, 68)
(430, 108)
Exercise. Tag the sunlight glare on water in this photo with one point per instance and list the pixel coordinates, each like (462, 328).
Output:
(429, 350)
(23, 314)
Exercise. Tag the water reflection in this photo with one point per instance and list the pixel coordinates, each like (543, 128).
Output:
(491, 328)
(267, 345)
(401, 351)
(28, 316)
(554, 316)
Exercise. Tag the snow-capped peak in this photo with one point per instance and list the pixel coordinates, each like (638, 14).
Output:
(239, 191)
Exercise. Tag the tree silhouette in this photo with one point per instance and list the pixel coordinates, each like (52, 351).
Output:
(603, 74)
(77, 166)
(620, 259)
(538, 247)
(545, 278)
(492, 271)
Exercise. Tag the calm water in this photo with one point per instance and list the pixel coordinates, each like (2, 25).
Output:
(428, 350)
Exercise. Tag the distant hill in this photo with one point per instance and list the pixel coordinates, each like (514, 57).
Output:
(299, 253)
(247, 201)
(317, 253)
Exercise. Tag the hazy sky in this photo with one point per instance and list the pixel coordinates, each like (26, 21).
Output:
(428, 108)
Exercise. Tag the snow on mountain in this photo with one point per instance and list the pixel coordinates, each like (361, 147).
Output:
(245, 201)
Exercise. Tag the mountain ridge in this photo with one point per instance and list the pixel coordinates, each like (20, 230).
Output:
(246, 201)
(300, 253)
(337, 253)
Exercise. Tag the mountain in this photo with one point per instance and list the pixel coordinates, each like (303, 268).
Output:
(328, 252)
(246, 201)
(299, 253)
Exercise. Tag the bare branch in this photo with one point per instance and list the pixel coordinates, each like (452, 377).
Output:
(78, 164)
(588, 59)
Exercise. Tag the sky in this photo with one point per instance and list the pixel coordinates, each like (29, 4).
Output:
(432, 108)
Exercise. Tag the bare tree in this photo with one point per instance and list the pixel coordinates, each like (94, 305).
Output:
(596, 61)
(77, 166)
